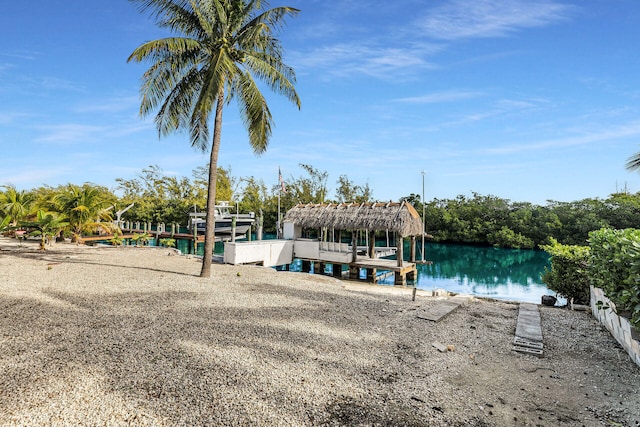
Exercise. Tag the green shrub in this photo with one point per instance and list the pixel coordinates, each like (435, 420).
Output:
(569, 271)
(168, 243)
(615, 268)
(140, 239)
(507, 238)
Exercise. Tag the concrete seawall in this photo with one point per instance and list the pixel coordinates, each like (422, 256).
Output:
(619, 326)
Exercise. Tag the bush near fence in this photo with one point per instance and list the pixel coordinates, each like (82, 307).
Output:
(607, 274)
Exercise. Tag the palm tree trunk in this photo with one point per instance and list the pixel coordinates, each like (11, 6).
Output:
(209, 237)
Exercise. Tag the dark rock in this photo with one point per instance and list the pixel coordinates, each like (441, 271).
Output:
(549, 300)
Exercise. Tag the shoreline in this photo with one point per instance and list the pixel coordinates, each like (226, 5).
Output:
(132, 336)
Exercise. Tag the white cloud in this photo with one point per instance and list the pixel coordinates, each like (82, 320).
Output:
(21, 54)
(32, 177)
(623, 131)
(112, 105)
(70, 133)
(11, 117)
(434, 98)
(357, 59)
(460, 19)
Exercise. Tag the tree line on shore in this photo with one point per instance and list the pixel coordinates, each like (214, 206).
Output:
(490, 220)
(157, 197)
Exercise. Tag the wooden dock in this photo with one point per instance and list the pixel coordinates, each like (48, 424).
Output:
(402, 273)
(373, 266)
(130, 234)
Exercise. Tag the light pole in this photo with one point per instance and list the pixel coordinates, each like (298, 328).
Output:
(423, 223)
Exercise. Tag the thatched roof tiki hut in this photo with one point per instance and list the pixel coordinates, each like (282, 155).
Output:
(400, 218)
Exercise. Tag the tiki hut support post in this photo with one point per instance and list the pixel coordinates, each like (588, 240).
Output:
(412, 256)
(354, 246)
(366, 238)
(336, 270)
(399, 250)
(372, 245)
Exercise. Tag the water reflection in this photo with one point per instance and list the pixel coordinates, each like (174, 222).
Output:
(511, 274)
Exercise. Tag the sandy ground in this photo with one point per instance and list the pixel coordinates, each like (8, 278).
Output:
(132, 336)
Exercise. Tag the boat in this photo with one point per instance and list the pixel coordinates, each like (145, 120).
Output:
(223, 222)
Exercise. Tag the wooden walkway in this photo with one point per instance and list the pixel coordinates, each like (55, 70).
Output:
(443, 308)
(528, 338)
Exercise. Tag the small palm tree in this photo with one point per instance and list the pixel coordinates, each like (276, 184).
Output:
(4, 223)
(86, 209)
(47, 226)
(220, 47)
(168, 243)
(140, 239)
(15, 204)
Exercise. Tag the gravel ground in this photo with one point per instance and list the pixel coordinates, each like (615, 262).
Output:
(131, 336)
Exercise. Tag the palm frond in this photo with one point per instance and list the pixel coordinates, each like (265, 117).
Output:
(633, 162)
(254, 112)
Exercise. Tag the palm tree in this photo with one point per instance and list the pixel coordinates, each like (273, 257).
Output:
(85, 208)
(219, 48)
(15, 204)
(4, 223)
(47, 225)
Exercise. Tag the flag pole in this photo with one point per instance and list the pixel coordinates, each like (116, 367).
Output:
(423, 219)
(281, 189)
(278, 233)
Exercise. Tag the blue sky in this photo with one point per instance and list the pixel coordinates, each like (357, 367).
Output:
(528, 100)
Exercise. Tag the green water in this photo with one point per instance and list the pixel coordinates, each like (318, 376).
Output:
(510, 274)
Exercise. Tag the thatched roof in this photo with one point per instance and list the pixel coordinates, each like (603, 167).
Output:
(393, 216)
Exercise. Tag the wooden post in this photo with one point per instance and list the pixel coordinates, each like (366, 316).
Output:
(336, 270)
(259, 227)
(354, 246)
(372, 246)
(399, 250)
(412, 255)
(195, 239)
(371, 274)
(306, 266)
(233, 229)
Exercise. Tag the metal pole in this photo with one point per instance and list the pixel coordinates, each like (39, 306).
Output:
(423, 224)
